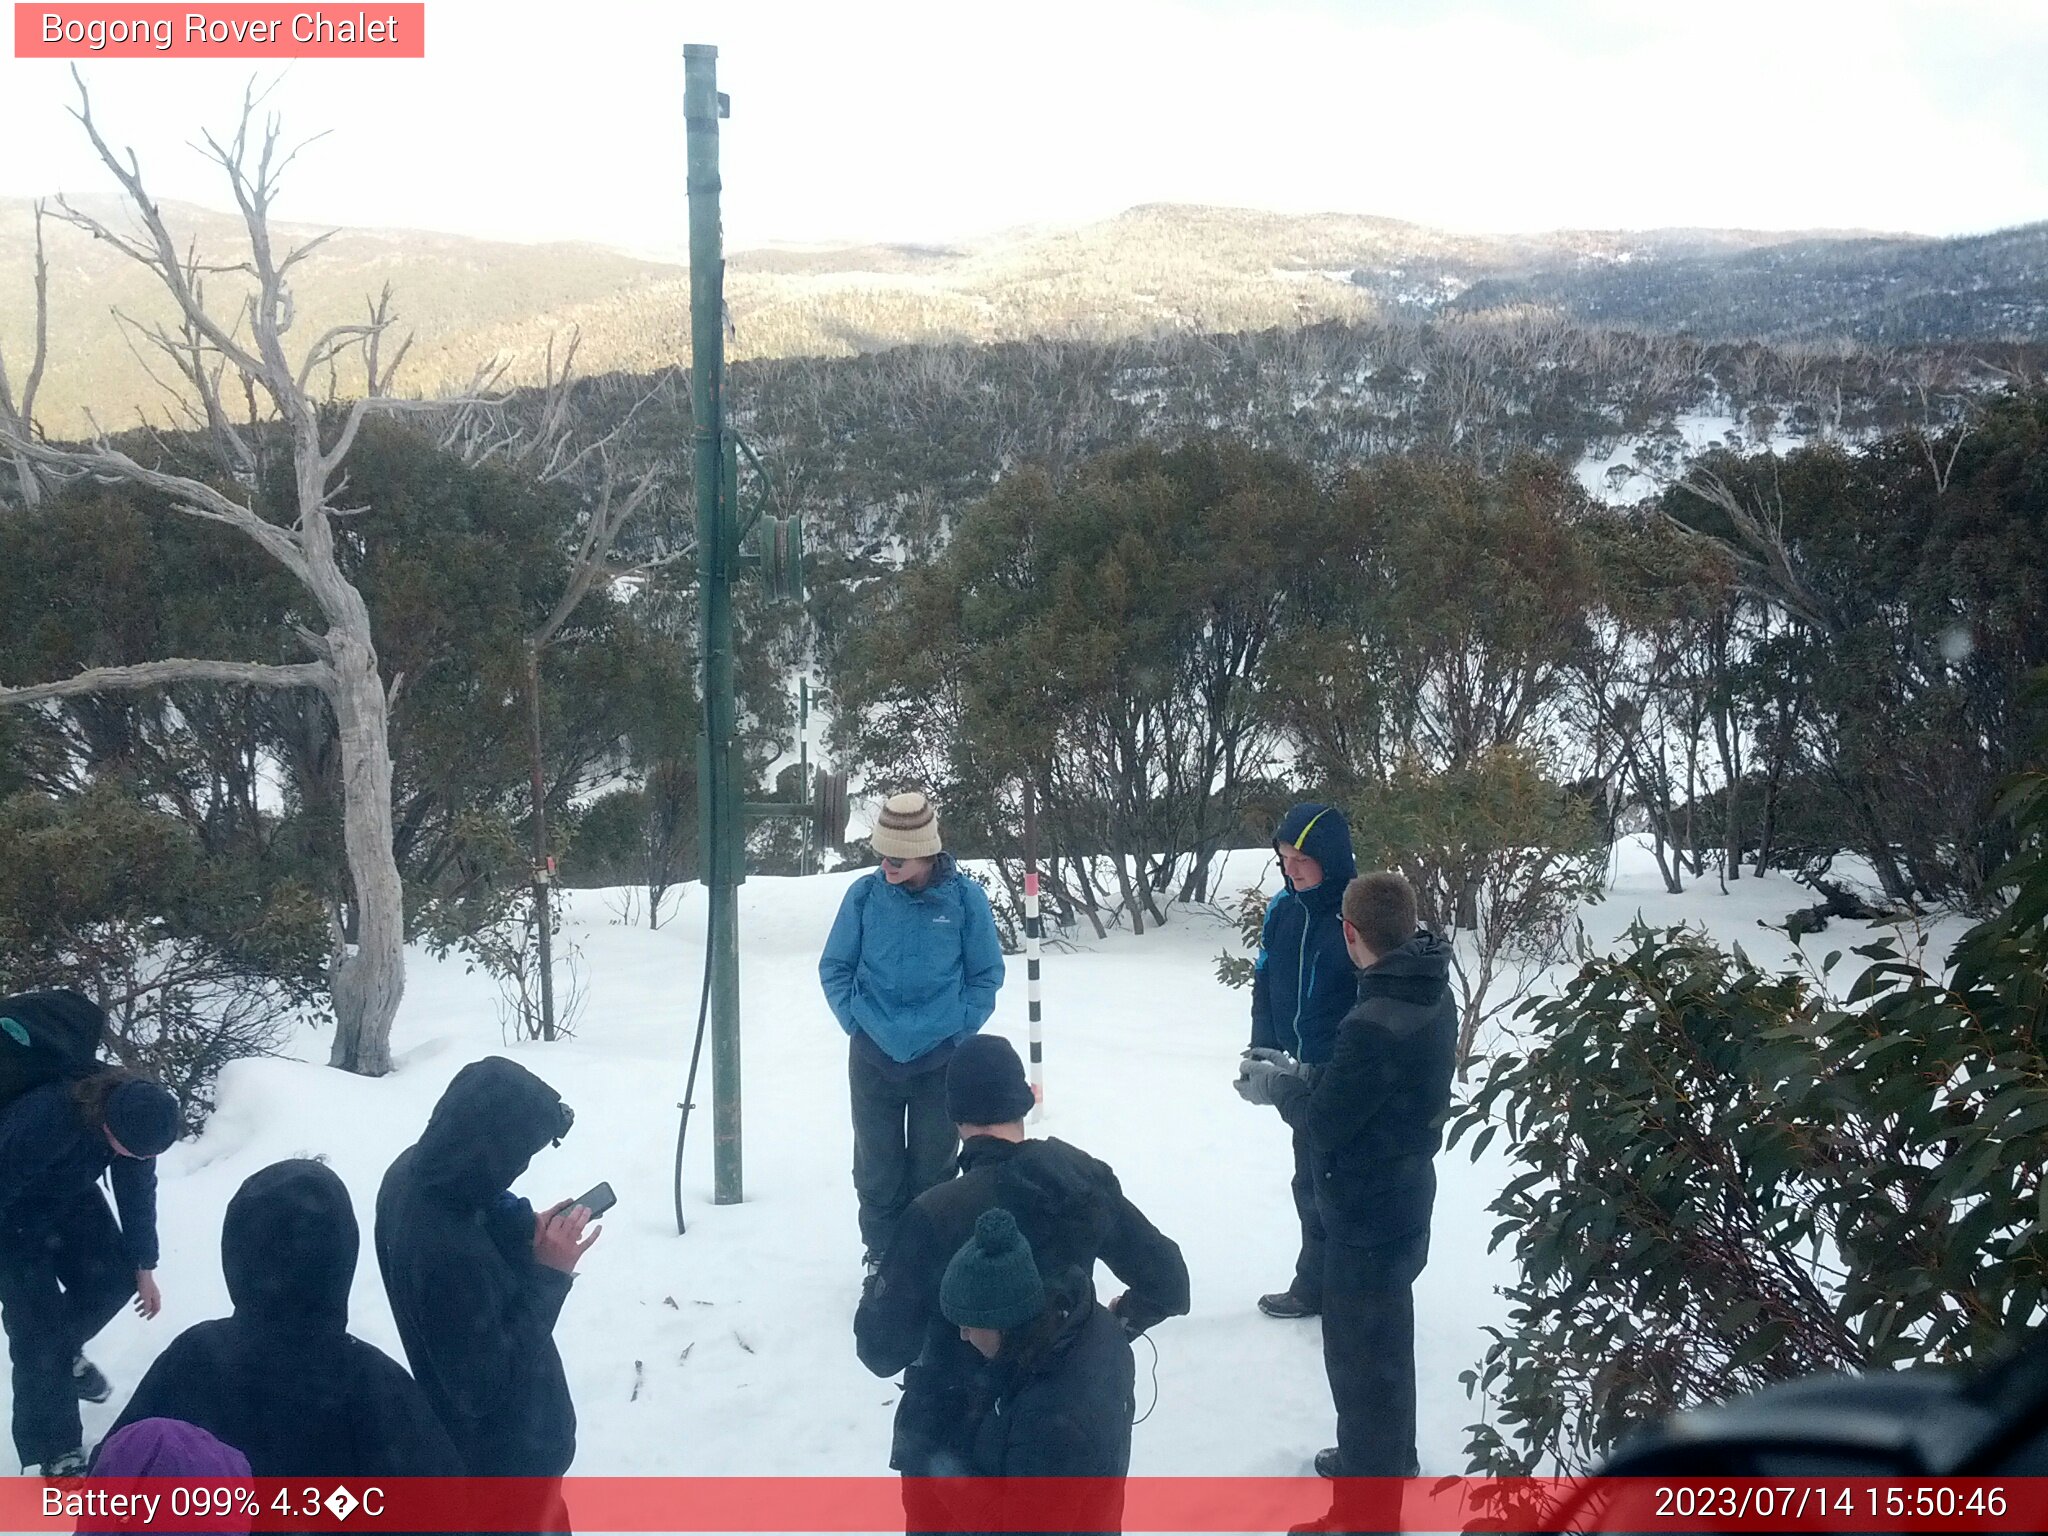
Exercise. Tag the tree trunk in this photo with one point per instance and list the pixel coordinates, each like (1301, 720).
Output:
(369, 980)
(1131, 901)
(1672, 883)
(543, 921)
(1727, 743)
(1768, 836)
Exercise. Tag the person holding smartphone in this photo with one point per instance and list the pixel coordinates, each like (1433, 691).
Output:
(911, 968)
(477, 1276)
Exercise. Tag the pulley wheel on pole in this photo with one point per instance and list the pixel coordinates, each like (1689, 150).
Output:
(777, 556)
(829, 797)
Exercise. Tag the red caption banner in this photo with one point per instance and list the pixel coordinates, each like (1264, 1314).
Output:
(219, 32)
(1141, 1504)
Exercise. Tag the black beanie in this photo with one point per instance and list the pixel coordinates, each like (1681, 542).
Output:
(985, 1083)
(143, 1117)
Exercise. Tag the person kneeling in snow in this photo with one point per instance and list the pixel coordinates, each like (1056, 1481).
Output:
(1374, 1116)
(1070, 1208)
(65, 1266)
(477, 1277)
(1056, 1398)
(283, 1381)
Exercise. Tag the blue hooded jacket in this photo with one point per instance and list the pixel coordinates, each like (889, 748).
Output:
(913, 970)
(1304, 982)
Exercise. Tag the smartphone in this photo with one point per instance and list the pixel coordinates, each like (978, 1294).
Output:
(598, 1201)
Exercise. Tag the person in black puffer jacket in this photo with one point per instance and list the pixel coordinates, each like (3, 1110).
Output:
(1303, 983)
(1069, 1207)
(1374, 1117)
(1056, 1396)
(477, 1277)
(283, 1381)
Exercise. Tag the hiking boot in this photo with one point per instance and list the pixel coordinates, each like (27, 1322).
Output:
(70, 1464)
(1287, 1304)
(89, 1382)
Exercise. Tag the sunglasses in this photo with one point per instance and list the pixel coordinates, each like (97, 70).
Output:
(893, 863)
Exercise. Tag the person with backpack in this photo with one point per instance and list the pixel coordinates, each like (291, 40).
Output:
(66, 1265)
(911, 969)
(1070, 1208)
(282, 1380)
(1303, 982)
(1056, 1397)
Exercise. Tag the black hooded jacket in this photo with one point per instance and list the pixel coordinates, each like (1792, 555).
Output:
(1056, 1401)
(282, 1381)
(1375, 1114)
(1071, 1210)
(475, 1310)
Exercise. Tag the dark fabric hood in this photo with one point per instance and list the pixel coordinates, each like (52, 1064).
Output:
(288, 1246)
(1321, 832)
(1058, 1199)
(1424, 958)
(489, 1124)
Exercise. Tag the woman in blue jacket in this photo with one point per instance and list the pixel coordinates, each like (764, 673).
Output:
(912, 967)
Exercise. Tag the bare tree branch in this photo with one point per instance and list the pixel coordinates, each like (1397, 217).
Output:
(21, 419)
(1759, 549)
(194, 498)
(160, 255)
(157, 674)
(599, 533)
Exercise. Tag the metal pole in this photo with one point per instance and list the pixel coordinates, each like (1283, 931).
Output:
(1034, 930)
(718, 792)
(540, 853)
(803, 765)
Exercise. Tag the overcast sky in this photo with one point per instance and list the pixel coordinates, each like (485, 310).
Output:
(868, 119)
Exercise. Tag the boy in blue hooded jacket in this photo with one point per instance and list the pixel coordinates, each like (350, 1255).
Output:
(1303, 984)
(911, 968)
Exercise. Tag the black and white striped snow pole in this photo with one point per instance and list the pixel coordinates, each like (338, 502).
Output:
(1034, 931)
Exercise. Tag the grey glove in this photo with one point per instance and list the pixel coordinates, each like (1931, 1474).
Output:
(1258, 1080)
(1268, 1053)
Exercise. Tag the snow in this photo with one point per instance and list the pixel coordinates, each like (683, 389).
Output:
(1640, 465)
(739, 1334)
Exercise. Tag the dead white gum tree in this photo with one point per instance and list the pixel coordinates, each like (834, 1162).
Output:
(236, 355)
(17, 417)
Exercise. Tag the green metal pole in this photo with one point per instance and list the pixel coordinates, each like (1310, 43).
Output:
(718, 791)
(803, 765)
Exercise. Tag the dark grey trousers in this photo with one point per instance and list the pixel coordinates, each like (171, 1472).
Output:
(1308, 1267)
(1369, 1351)
(60, 1284)
(903, 1143)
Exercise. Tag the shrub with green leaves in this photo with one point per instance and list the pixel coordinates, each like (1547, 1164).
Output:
(198, 961)
(1729, 1178)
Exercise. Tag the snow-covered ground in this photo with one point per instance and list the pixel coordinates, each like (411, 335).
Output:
(1639, 465)
(730, 1350)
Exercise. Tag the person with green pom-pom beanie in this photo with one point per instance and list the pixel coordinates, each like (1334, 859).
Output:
(1056, 1398)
